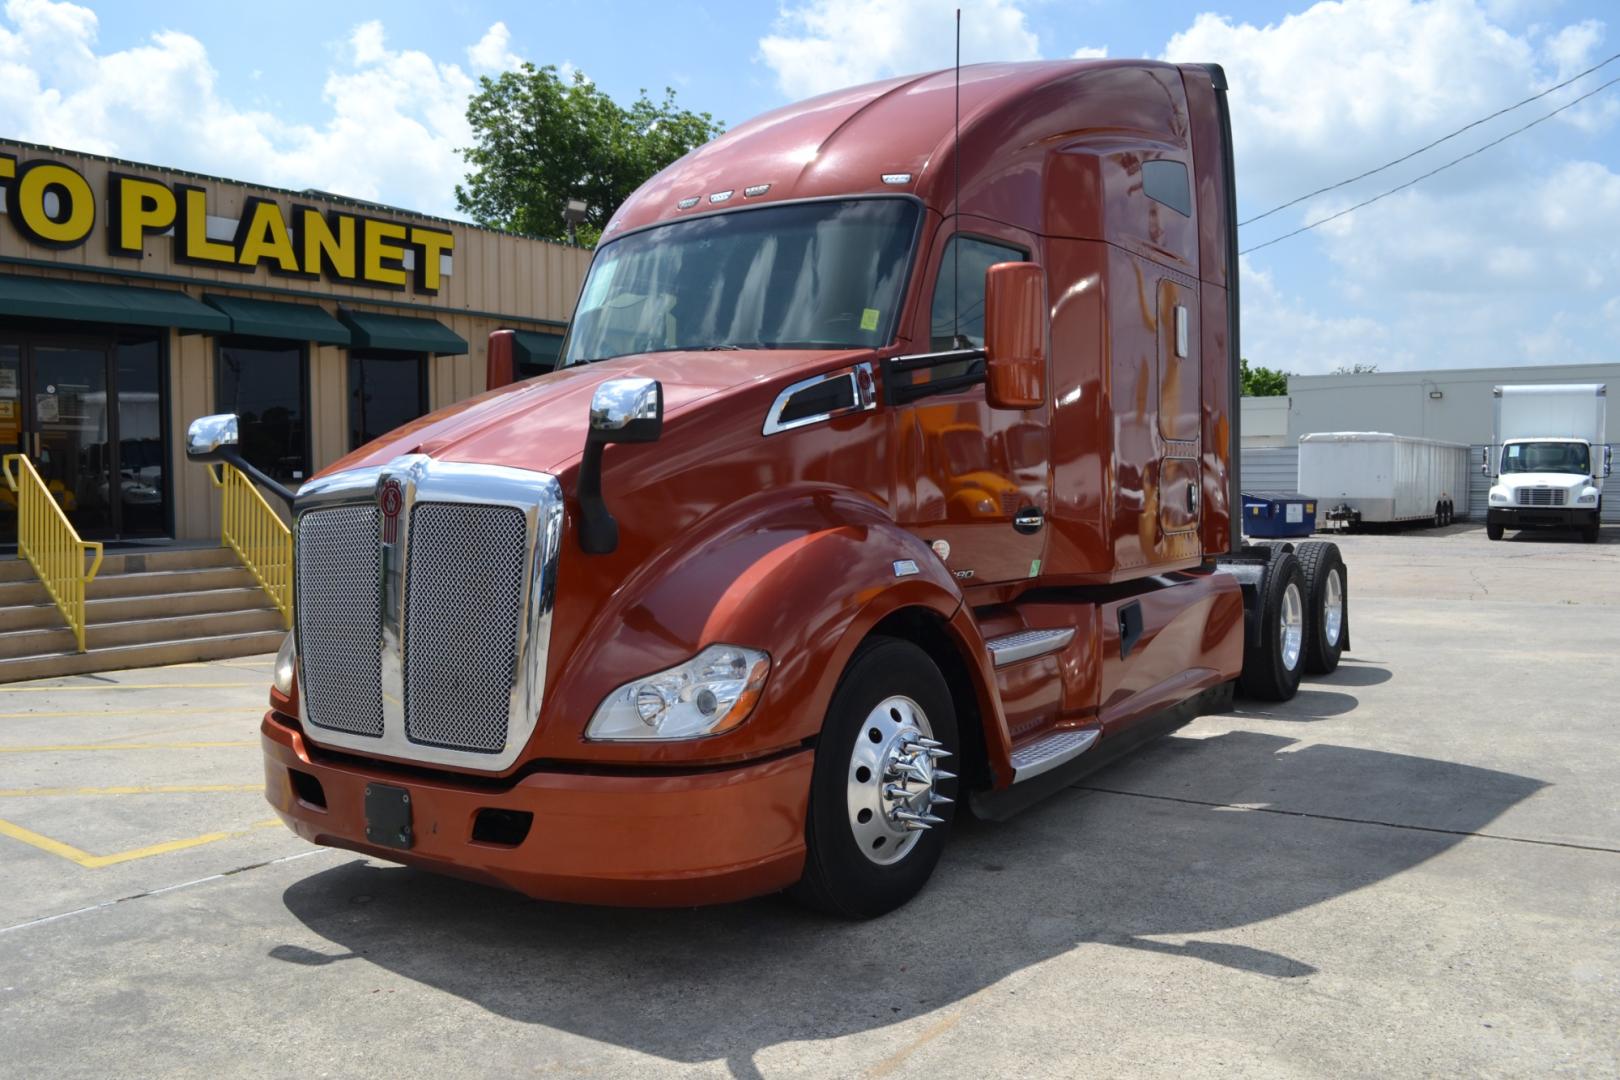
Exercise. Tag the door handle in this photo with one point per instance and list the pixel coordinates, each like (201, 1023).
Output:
(1192, 498)
(1028, 520)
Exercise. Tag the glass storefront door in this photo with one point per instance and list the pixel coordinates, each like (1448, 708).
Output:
(62, 403)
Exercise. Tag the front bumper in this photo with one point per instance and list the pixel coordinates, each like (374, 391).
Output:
(1524, 517)
(648, 840)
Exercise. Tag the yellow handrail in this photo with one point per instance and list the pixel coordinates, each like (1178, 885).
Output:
(252, 529)
(49, 542)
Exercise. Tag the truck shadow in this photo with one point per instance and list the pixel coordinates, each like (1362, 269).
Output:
(1146, 849)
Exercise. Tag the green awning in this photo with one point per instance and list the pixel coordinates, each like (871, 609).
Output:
(83, 301)
(273, 319)
(373, 331)
(536, 353)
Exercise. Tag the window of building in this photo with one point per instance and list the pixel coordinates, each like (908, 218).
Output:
(143, 460)
(386, 390)
(265, 382)
(965, 261)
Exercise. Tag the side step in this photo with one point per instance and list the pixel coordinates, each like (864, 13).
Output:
(1050, 751)
(1006, 803)
(1027, 644)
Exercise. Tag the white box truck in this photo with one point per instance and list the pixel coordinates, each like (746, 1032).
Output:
(1548, 456)
(1373, 477)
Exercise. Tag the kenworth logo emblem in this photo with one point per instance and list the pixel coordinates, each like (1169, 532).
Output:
(389, 499)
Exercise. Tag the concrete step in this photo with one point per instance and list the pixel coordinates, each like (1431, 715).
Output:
(136, 561)
(146, 654)
(43, 641)
(153, 583)
(126, 608)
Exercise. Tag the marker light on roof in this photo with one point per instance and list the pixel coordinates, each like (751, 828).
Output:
(757, 189)
(897, 178)
(721, 196)
(687, 204)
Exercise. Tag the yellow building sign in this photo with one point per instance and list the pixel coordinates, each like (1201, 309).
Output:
(52, 205)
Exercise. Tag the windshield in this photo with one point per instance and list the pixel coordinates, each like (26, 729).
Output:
(1561, 457)
(805, 275)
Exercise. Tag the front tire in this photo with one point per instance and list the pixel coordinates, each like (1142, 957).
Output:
(1327, 590)
(1272, 669)
(880, 805)
(1494, 532)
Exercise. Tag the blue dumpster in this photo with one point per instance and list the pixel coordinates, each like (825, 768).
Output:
(1274, 515)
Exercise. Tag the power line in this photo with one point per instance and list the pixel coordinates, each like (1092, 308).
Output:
(1435, 143)
(1431, 172)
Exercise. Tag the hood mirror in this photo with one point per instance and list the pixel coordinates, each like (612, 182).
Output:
(213, 440)
(627, 411)
(207, 435)
(622, 411)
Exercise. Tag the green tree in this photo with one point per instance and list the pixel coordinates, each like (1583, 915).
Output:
(1261, 381)
(1357, 368)
(540, 141)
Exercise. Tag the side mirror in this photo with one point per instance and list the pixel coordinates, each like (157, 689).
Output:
(622, 411)
(1015, 336)
(1608, 460)
(208, 435)
(500, 359)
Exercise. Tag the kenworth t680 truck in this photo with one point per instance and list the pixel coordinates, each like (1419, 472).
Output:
(886, 468)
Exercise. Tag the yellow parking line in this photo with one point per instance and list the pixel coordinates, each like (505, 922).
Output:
(201, 711)
(66, 747)
(162, 789)
(106, 687)
(96, 862)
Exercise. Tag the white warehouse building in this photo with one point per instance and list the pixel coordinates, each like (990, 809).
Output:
(1451, 404)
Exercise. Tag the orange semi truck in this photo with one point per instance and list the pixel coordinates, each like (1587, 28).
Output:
(890, 465)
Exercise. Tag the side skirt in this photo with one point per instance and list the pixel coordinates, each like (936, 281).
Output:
(1008, 802)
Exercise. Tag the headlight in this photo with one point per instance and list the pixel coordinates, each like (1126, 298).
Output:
(1589, 497)
(286, 660)
(1499, 497)
(710, 693)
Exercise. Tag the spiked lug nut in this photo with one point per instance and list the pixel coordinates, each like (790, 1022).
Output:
(940, 775)
(900, 792)
(936, 799)
(929, 744)
(937, 752)
(915, 821)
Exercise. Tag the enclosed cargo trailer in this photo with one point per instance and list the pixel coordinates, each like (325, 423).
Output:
(1373, 477)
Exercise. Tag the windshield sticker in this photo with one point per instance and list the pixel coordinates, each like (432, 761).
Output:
(1513, 451)
(869, 318)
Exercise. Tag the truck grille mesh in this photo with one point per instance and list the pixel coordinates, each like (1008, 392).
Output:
(1541, 496)
(463, 589)
(339, 612)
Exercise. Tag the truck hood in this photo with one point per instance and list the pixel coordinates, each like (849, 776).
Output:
(1568, 481)
(540, 424)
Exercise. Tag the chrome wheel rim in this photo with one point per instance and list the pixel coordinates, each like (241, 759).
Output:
(1333, 608)
(1291, 627)
(892, 780)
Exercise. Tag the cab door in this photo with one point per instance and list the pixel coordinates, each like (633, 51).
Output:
(979, 477)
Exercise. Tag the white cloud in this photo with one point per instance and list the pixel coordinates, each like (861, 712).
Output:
(1090, 52)
(1282, 333)
(493, 51)
(396, 120)
(1508, 255)
(824, 45)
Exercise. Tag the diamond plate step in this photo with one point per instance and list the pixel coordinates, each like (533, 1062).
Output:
(1049, 751)
(1027, 644)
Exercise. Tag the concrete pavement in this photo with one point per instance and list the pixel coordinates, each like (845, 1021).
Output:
(1413, 868)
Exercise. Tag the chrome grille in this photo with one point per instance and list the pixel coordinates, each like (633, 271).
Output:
(1541, 496)
(463, 591)
(339, 610)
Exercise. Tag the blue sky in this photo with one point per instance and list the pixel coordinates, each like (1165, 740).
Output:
(1511, 258)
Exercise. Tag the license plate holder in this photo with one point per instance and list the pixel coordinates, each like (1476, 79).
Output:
(388, 816)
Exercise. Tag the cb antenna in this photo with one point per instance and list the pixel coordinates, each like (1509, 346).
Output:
(956, 161)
